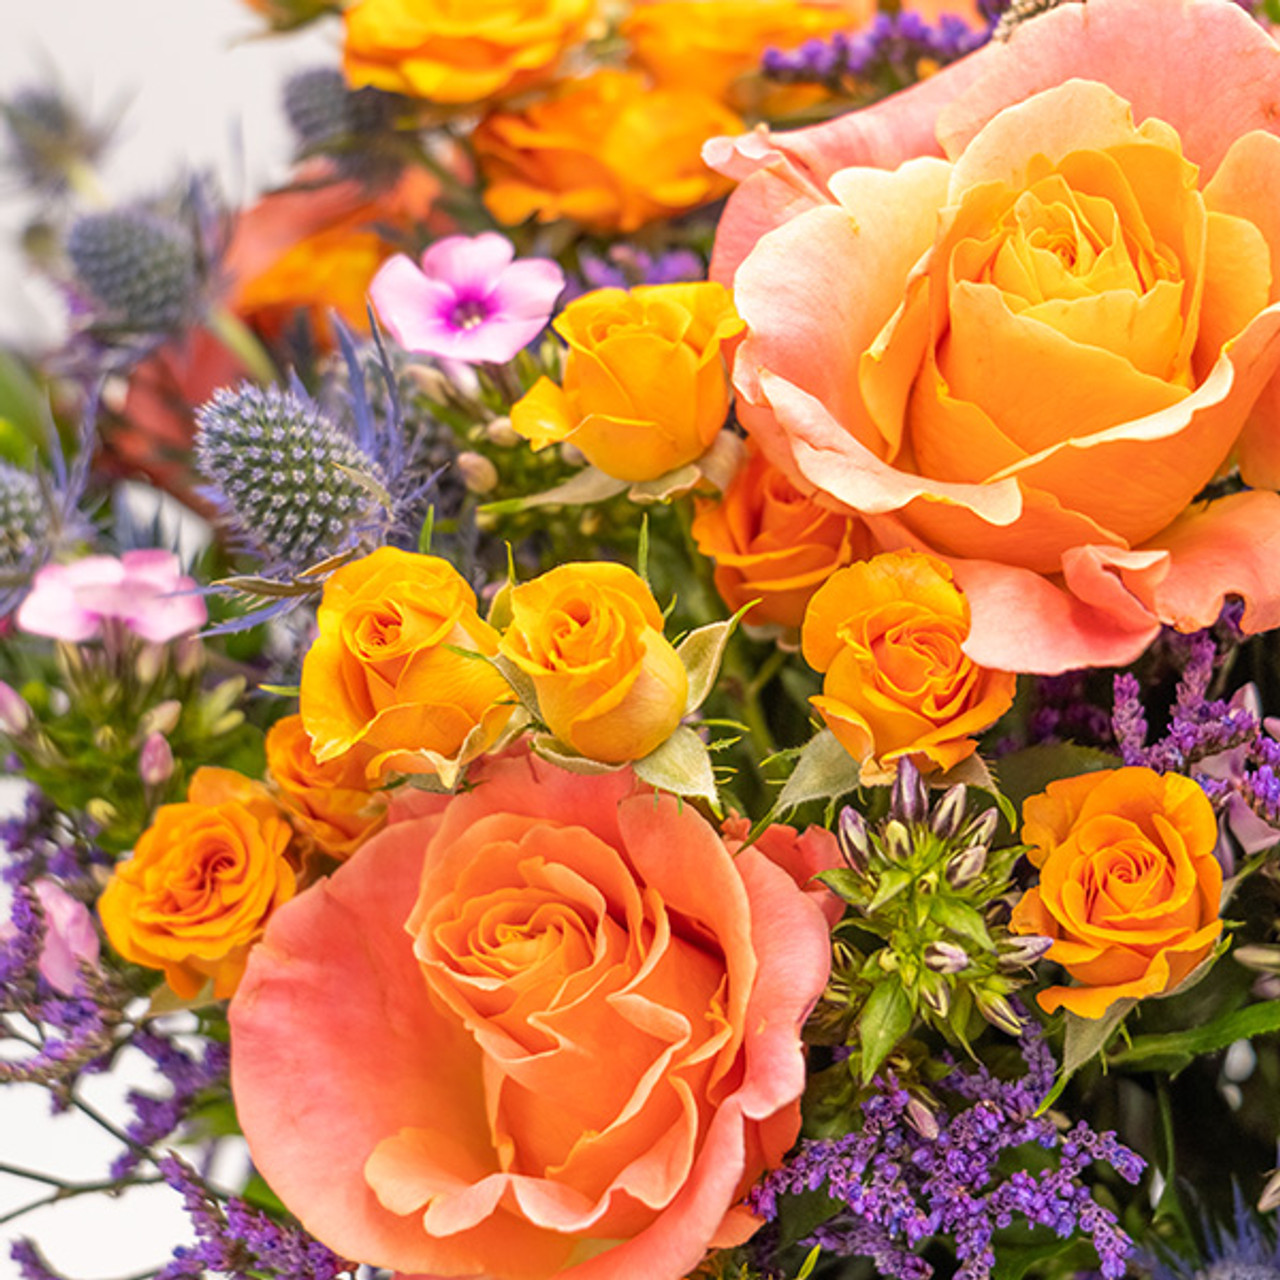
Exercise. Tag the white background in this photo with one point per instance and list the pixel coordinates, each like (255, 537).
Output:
(198, 90)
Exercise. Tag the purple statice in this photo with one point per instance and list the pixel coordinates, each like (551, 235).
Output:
(1063, 710)
(36, 842)
(155, 1118)
(236, 1240)
(892, 48)
(901, 1183)
(30, 1261)
(625, 266)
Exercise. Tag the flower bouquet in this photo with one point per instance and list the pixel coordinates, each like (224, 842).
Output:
(720, 725)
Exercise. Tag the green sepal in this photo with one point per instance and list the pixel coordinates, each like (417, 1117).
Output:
(681, 765)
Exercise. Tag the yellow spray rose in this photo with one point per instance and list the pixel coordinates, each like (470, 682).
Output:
(589, 636)
(645, 389)
(459, 51)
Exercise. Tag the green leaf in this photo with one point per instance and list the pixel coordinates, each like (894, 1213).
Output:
(642, 551)
(282, 690)
(811, 1261)
(961, 918)
(1027, 772)
(890, 884)
(427, 530)
(681, 765)
(1082, 1039)
(848, 884)
(25, 411)
(1174, 1050)
(520, 682)
(579, 490)
(824, 771)
(701, 652)
(884, 1020)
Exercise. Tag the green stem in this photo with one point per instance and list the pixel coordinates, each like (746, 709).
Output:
(243, 343)
(69, 1191)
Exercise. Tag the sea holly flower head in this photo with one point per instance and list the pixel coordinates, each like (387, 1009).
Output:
(467, 300)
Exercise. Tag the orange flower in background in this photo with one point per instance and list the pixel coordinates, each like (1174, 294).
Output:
(563, 1038)
(330, 804)
(645, 389)
(608, 151)
(459, 51)
(774, 544)
(1031, 355)
(609, 683)
(384, 674)
(708, 44)
(888, 633)
(194, 896)
(1129, 887)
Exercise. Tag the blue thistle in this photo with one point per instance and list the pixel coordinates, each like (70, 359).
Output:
(25, 522)
(1246, 1250)
(48, 138)
(138, 267)
(291, 483)
(353, 127)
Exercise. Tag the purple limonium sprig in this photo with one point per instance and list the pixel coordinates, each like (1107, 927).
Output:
(157, 1118)
(901, 1183)
(36, 842)
(467, 300)
(236, 1240)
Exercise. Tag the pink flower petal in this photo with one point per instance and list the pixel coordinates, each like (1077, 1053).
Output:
(468, 264)
(527, 290)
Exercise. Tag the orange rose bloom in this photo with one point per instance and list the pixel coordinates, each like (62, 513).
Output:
(1129, 887)
(645, 388)
(608, 151)
(459, 51)
(548, 1029)
(383, 675)
(888, 632)
(330, 804)
(609, 683)
(774, 544)
(195, 895)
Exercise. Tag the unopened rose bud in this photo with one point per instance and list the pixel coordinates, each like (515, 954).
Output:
(896, 840)
(155, 760)
(909, 799)
(162, 718)
(851, 836)
(945, 957)
(501, 433)
(15, 714)
(966, 866)
(999, 1012)
(950, 810)
(478, 473)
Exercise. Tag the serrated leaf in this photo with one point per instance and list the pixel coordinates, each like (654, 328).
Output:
(824, 771)
(1083, 1038)
(890, 884)
(961, 918)
(701, 653)
(681, 765)
(884, 1020)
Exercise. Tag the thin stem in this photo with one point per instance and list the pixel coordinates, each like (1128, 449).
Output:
(243, 343)
(16, 1171)
(71, 1191)
(99, 1119)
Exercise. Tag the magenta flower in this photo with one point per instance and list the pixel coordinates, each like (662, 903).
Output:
(469, 300)
(142, 589)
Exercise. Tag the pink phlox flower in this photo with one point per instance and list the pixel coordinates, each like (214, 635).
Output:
(143, 589)
(69, 938)
(468, 301)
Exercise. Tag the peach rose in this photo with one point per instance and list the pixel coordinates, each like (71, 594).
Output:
(384, 674)
(446, 51)
(774, 544)
(608, 151)
(1129, 887)
(645, 389)
(888, 634)
(1012, 326)
(330, 805)
(559, 1023)
(200, 885)
(609, 683)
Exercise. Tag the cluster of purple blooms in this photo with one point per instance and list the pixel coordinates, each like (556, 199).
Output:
(910, 1173)
(892, 46)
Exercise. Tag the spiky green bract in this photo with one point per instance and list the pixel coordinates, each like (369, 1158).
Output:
(927, 938)
(292, 484)
(24, 518)
(138, 268)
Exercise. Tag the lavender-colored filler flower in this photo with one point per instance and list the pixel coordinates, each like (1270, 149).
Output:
(900, 1182)
(468, 301)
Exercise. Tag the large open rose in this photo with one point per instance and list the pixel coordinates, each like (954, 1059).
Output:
(1022, 314)
(550, 1026)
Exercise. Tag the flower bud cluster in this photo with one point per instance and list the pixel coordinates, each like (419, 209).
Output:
(928, 935)
(24, 518)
